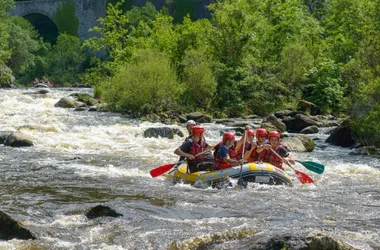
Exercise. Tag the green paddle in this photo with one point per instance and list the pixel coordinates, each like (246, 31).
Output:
(313, 166)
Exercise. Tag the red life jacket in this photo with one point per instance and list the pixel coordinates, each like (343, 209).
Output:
(240, 151)
(254, 157)
(196, 148)
(270, 157)
(219, 162)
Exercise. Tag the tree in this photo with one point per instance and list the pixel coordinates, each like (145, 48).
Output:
(23, 41)
(198, 79)
(66, 59)
(65, 18)
(5, 6)
(6, 76)
(118, 34)
(323, 86)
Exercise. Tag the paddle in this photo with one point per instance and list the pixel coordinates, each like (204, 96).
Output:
(240, 181)
(165, 168)
(302, 177)
(313, 166)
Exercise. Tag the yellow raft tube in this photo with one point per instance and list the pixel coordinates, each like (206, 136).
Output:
(263, 173)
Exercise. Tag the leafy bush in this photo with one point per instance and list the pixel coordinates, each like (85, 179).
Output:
(147, 84)
(98, 92)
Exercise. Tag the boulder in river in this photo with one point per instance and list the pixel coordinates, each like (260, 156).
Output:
(198, 117)
(317, 240)
(342, 135)
(271, 119)
(101, 211)
(162, 132)
(11, 229)
(18, 139)
(299, 143)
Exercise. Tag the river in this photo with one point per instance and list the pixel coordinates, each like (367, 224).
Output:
(83, 159)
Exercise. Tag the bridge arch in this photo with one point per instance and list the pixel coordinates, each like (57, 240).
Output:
(43, 24)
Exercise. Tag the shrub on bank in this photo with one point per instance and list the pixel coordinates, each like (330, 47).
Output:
(147, 84)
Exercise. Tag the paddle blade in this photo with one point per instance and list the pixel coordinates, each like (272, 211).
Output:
(161, 170)
(302, 177)
(313, 166)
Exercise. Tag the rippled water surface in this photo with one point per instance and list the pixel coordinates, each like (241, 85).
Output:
(83, 159)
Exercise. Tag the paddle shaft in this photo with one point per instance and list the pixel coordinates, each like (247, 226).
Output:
(302, 177)
(242, 156)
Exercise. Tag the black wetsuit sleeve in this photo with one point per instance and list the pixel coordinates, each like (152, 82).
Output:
(186, 147)
(283, 152)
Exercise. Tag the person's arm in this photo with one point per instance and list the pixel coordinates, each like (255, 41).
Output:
(233, 162)
(261, 148)
(185, 147)
(286, 156)
(240, 142)
(249, 152)
(224, 154)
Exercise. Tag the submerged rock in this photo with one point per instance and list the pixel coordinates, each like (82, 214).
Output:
(11, 229)
(101, 211)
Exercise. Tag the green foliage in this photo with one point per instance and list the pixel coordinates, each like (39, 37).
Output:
(323, 86)
(147, 84)
(181, 8)
(66, 59)
(343, 24)
(98, 92)
(118, 34)
(125, 5)
(65, 18)
(5, 6)
(198, 79)
(6, 76)
(24, 44)
(253, 56)
(366, 127)
(296, 61)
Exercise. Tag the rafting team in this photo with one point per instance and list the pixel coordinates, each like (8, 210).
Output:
(229, 152)
(44, 81)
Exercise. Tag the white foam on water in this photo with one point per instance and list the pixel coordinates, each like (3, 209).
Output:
(107, 170)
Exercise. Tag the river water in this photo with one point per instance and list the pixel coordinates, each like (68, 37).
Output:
(84, 159)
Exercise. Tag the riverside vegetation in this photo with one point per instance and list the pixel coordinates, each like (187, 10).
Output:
(249, 57)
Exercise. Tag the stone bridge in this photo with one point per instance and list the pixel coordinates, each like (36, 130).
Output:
(40, 13)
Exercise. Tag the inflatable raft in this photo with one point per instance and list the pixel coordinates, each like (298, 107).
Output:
(263, 173)
(42, 85)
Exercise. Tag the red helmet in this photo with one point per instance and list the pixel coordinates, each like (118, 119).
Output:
(198, 131)
(274, 134)
(251, 133)
(261, 131)
(228, 135)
